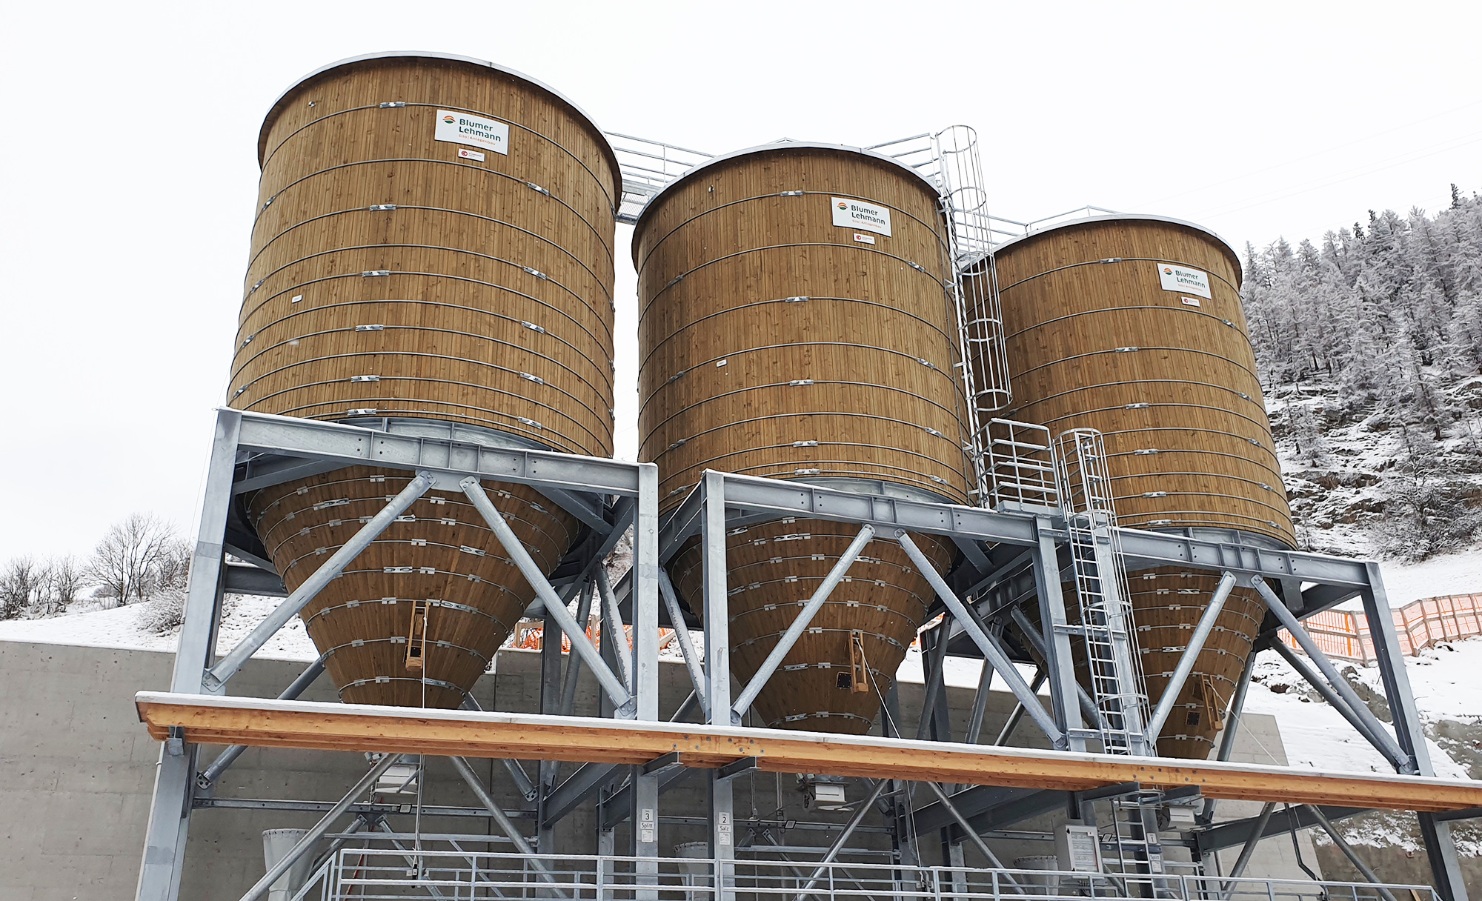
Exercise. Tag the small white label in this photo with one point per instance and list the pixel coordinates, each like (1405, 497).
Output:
(646, 834)
(475, 155)
(861, 214)
(1181, 278)
(1192, 301)
(864, 239)
(472, 131)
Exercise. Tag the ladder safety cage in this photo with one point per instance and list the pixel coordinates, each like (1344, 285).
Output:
(949, 159)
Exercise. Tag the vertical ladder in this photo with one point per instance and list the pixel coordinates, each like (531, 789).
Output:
(1106, 628)
(1108, 635)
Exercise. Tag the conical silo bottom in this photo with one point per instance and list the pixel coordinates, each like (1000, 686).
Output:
(438, 567)
(834, 678)
(1168, 603)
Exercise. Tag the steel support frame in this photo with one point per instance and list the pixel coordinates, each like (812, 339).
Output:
(251, 451)
(724, 500)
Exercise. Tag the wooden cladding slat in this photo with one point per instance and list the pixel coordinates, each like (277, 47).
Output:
(390, 277)
(774, 343)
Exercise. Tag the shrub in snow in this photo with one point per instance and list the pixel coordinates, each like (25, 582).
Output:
(164, 611)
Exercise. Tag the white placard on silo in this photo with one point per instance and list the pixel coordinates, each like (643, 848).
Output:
(861, 214)
(1183, 279)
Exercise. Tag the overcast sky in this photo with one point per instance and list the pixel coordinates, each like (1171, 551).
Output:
(130, 174)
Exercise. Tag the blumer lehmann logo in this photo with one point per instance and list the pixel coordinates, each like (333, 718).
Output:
(449, 119)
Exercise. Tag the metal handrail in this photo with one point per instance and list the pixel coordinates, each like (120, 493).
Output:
(384, 867)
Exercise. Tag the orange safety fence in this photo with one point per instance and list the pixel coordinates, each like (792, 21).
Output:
(1419, 625)
(529, 634)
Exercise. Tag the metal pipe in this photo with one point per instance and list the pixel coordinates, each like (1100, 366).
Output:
(573, 663)
(1190, 656)
(1249, 849)
(500, 817)
(1379, 737)
(933, 671)
(1332, 697)
(985, 643)
(228, 666)
(971, 833)
(686, 643)
(1347, 849)
(613, 618)
(317, 831)
(556, 610)
(1018, 712)
(800, 625)
(227, 757)
(860, 812)
(980, 706)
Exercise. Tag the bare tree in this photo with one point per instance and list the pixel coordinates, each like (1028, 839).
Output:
(18, 585)
(128, 561)
(62, 580)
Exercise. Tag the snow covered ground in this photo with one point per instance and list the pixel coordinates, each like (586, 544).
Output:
(1443, 678)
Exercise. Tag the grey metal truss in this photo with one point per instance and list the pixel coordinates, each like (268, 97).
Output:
(1309, 583)
(252, 451)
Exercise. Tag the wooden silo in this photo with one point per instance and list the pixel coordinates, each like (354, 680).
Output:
(794, 324)
(434, 242)
(1132, 325)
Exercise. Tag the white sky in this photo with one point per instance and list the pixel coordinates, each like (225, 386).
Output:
(130, 178)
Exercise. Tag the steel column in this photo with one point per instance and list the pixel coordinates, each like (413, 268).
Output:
(645, 596)
(1059, 666)
(169, 812)
(718, 671)
(1440, 848)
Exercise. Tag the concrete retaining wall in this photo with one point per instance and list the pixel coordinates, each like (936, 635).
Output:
(79, 771)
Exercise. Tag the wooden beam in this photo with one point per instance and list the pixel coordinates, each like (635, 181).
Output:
(208, 719)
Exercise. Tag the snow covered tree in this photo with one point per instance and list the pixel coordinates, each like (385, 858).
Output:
(128, 562)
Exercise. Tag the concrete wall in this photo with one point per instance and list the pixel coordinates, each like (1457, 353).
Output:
(79, 773)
